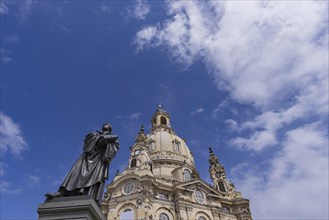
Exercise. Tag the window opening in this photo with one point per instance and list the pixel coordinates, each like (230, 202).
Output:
(127, 214)
(176, 146)
(221, 186)
(163, 120)
(163, 196)
(187, 175)
(133, 162)
(151, 145)
(164, 216)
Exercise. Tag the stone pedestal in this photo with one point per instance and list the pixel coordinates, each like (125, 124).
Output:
(73, 207)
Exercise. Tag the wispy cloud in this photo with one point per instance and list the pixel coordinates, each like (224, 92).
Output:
(272, 56)
(32, 180)
(12, 38)
(2, 168)
(166, 95)
(130, 123)
(7, 188)
(21, 9)
(197, 111)
(5, 55)
(12, 142)
(25, 10)
(3, 8)
(135, 116)
(164, 87)
(139, 10)
(222, 107)
(65, 29)
(11, 139)
(102, 9)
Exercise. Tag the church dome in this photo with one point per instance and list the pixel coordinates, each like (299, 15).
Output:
(164, 143)
(162, 182)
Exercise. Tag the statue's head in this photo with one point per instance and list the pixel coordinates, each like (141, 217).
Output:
(107, 127)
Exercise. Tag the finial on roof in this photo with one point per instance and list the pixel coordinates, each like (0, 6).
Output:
(160, 109)
(141, 136)
(210, 151)
(141, 130)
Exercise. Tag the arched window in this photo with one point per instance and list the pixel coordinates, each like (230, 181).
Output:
(127, 214)
(187, 175)
(163, 120)
(221, 186)
(176, 146)
(201, 218)
(163, 216)
(151, 145)
(133, 162)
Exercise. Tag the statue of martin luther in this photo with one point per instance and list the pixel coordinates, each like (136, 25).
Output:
(90, 171)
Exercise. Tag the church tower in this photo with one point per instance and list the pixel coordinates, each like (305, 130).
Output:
(162, 182)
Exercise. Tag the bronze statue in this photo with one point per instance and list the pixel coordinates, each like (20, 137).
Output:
(90, 171)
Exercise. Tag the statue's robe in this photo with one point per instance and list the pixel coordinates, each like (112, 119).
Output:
(90, 171)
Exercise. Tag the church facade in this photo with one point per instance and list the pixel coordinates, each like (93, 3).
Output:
(162, 182)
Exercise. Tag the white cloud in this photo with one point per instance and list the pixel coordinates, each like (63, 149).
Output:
(145, 36)
(232, 124)
(139, 10)
(296, 176)
(12, 139)
(258, 51)
(272, 56)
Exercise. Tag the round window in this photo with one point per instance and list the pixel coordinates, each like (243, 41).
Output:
(163, 216)
(199, 197)
(128, 188)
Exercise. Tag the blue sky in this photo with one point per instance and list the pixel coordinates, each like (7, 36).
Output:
(249, 79)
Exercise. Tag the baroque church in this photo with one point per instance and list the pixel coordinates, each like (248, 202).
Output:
(162, 182)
